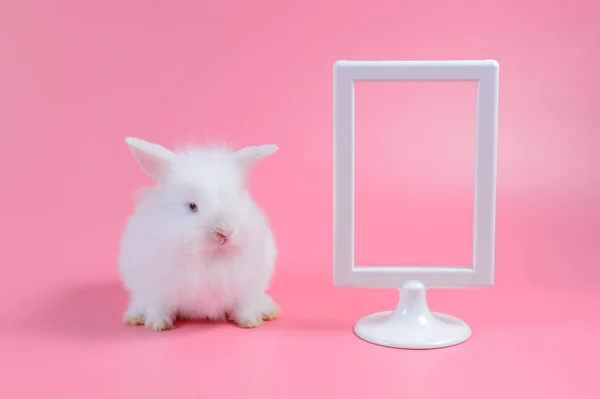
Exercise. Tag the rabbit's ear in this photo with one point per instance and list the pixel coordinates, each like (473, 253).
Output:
(250, 156)
(152, 158)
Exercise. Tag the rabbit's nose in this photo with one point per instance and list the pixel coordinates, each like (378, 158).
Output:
(222, 236)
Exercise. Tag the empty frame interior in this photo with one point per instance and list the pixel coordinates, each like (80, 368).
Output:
(414, 173)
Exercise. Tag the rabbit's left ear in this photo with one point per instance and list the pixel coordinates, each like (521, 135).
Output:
(250, 156)
(152, 158)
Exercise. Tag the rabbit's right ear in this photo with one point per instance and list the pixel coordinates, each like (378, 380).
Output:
(152, 158)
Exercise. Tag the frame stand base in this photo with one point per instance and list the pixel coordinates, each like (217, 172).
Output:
(412, 325)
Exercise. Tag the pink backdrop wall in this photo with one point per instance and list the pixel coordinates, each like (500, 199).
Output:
(76, 77)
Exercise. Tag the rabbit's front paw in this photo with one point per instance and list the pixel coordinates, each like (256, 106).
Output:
(134, 315)
(270, 310)
(158, 320)
(251, 314)
(249, 322)
(135, 319)
(159, 325)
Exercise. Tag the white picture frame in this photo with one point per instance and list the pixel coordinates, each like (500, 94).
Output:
(481, 271)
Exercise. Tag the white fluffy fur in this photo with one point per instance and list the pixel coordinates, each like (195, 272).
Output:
(171, 262)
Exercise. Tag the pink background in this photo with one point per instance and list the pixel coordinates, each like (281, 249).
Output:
(76, 77)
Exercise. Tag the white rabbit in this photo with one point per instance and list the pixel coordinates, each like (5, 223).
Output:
(197, 245)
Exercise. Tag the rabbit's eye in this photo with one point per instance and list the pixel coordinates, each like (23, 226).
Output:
(193, 207)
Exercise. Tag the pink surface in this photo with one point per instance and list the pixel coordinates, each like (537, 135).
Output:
(77, 77)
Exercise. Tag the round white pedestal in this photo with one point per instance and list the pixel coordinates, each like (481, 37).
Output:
(412, 325)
